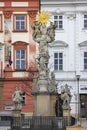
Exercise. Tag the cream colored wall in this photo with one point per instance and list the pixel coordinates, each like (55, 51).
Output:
(1, 4)
(19, 4)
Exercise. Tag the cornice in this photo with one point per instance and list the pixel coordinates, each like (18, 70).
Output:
(58, 43)
(70, 13)
(19, 43)
(83, 44)
(63, 2)
(17, 0)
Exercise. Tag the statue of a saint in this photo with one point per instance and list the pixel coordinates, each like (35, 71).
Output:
(17, 98)
(66, 97)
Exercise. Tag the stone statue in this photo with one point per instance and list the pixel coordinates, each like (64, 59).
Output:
(17, 98)
(36, 30)
(53, 84)
(42, 62)
(35, 87)
(66, 97)
(43, 35)
(51, 31)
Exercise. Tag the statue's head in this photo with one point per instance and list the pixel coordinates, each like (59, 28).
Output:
(16, 88)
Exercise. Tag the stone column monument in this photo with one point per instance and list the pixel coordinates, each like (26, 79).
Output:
(16, 98)
(44, 83)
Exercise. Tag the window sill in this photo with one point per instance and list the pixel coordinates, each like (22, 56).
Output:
(58, 70)
(20, 70)
(15, 31)
(59, 30)
(84, 70)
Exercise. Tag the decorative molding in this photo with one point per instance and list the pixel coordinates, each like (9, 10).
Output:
(71, 15)
(20, 43)
(83, 44)
(1, 4)
(19, 4)
(32, 14)
(7, 14)
(58, 43)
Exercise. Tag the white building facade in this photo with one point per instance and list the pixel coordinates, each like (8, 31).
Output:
(69, 50)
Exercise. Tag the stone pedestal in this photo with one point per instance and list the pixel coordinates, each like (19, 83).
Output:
(74, 128)
(44, 104)
(66, 113)
(16, 118)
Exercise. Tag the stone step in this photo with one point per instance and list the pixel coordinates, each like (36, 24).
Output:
(84, 124)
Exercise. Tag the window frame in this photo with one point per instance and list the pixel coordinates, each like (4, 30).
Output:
(84, 60)
(23, 96)
(14, 23)
(58, 20)
(20, 49)
(84, 19)
(58, 58)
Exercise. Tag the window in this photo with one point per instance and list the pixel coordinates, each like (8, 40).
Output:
(20, 23)
(20, 60)
(59, 20)
(58, 61)
(85, 60)
(23, 98)
(85, 21)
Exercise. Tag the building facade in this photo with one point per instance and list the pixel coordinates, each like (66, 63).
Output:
(69, 50)
(17, 52)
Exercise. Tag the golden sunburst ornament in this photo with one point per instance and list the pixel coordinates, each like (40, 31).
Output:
(43, 17)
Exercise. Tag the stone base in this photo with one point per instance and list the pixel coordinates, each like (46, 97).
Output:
(66, 112)
(44, 104)
(19, 129)
(16, 118)
(74, 128)
(16, 113)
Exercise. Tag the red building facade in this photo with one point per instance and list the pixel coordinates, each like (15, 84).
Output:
(17, 51)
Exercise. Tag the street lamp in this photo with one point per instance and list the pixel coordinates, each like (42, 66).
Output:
(78, 77)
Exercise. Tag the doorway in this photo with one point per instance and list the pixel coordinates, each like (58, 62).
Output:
(83, 105)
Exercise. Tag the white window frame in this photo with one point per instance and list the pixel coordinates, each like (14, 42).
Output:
(20, 59)
(84, 62)
(20, 22)
(85, 19)
(58, 52)
(82, 50)
(58, 20)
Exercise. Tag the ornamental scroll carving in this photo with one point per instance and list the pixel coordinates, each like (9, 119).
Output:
(7, 14)
(32, 14)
